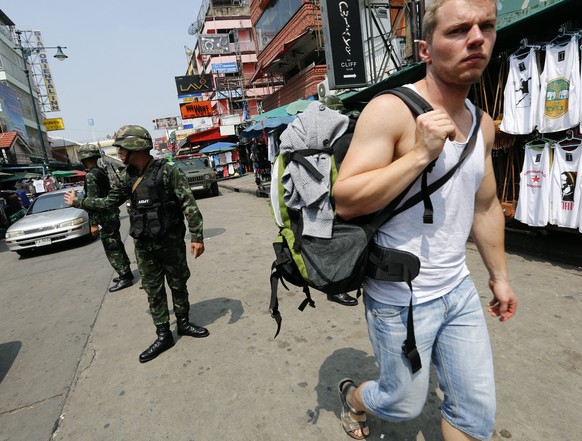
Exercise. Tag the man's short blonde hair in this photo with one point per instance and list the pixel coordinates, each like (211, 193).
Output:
(429, 20)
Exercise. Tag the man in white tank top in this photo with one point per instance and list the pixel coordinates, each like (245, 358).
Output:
(388, 152)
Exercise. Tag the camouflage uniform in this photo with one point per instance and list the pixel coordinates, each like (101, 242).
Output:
(110, 224)
(165, 255)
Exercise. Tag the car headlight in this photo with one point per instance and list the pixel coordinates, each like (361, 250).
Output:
(206, 177)
(71, 223)
(14, 233)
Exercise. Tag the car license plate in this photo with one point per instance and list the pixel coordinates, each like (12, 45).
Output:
(43, 241)
(197, 187)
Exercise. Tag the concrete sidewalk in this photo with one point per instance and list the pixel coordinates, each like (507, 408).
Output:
(240, 384)
(246, 184)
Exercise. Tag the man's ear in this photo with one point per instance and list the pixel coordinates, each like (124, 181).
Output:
(423, 51)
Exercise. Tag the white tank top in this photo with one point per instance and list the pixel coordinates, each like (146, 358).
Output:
(560, 88)
(439, 246)
(564, 189)
(521, 95)
(533, 205)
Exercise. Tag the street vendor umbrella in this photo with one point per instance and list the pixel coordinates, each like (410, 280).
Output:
(256, 130)
(218, 147)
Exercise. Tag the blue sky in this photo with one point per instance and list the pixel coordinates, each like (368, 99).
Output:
(123, 57)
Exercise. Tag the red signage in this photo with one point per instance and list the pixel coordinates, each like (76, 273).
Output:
(196, 109)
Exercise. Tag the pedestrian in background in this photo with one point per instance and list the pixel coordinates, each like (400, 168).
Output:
(387, 154)
(105, 223)
(160, 198)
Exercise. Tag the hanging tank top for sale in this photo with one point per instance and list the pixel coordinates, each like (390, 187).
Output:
(521, 95)
(560, 88)
(564, 193)
(533, 205)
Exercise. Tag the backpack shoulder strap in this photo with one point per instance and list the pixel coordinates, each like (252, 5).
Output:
(390, 210)
(417, 104)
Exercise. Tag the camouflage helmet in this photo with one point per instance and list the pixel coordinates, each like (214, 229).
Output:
(89, 151)
(133, 138)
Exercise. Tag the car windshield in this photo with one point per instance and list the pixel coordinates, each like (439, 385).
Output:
(49, 202)
(193, 163)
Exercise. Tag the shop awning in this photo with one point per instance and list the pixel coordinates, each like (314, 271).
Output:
(266, 125)
(514, 11)
(206, 135)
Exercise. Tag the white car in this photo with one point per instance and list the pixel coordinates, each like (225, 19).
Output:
(49, 220)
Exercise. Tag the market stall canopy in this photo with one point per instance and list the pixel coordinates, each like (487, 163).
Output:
(297, 106)
(206, 135)
(218, 147)
(256, 130)
(19, 176)
(288, 109)
(275, 113)
(63, 173)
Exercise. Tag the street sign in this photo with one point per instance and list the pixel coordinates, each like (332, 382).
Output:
(54, 124)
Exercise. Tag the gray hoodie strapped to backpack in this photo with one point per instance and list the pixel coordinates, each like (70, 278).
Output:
(318, 127)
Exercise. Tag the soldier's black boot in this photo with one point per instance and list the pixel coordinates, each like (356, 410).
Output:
(187, 328)
(122, 282)
(164, 342)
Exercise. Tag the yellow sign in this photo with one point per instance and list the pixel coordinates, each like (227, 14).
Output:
(54, 124)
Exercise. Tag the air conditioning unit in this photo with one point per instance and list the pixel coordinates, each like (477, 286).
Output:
(323, 89)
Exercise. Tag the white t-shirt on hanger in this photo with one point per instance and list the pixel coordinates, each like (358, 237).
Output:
(521, 95)
(564, 189)
(533, 205)
(560, 88)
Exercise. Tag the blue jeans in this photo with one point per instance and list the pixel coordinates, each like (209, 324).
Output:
(452, 333)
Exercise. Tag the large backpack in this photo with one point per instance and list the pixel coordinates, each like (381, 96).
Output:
(339, 262)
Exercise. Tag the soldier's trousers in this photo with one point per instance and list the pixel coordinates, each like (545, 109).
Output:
(113, 246)
(161, 260)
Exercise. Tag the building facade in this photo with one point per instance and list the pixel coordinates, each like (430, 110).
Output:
(17, 111)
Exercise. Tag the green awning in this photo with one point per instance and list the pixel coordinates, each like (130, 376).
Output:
(514, 11)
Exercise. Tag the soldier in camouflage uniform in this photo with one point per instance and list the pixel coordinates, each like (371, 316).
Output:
(160, 198)
(105, 223)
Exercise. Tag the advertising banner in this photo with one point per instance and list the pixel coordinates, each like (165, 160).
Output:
(193, 84)
(198, 109)
(51, 91)
(54, 124)
(222, 68)
(344, 45)
(214, 44)
(166, 123)
(11, 111)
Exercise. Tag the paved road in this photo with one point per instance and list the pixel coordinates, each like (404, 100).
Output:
(240, 383)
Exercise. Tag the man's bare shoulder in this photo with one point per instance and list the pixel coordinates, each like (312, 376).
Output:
(385, 114)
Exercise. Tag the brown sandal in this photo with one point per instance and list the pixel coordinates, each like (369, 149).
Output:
(348, 422)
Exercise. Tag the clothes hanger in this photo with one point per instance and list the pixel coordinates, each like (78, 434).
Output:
(563, 38)
(570, 141)
(524, 48)
(539, 142)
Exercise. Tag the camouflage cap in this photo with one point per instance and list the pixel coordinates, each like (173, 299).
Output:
(133, 138)
(89, 151)
(333, 102)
